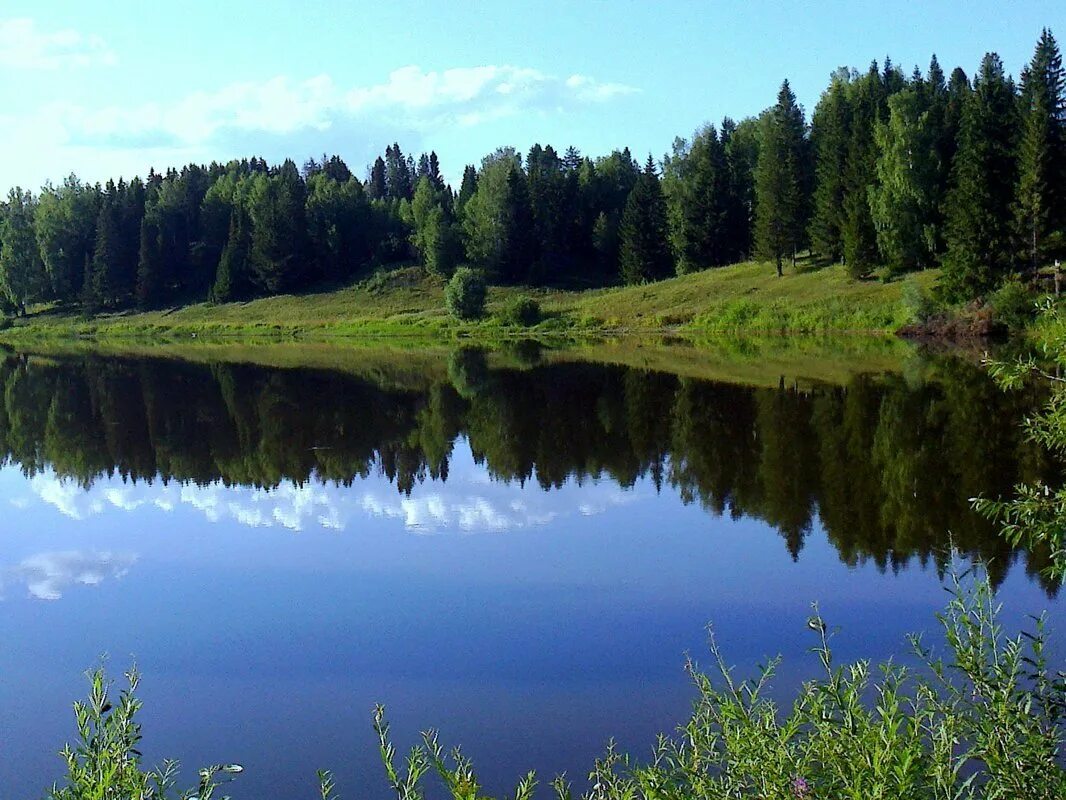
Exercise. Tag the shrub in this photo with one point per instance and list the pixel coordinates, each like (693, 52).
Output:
(522, 311)
(918, 305)
(464, 294)
(1013, 304)
(5, 323)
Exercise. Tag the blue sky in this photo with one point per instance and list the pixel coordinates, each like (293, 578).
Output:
(107, 89)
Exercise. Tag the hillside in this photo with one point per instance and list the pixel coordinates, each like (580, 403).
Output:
(746, 297)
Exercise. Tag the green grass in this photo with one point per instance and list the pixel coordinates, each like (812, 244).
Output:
(407, 303)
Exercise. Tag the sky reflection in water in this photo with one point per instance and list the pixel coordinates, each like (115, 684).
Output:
(528, 623)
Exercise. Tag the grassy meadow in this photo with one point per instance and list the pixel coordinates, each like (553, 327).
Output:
(744, 298)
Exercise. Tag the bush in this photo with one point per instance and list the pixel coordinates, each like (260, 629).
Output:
(464, 294)
(5, 323)
(522, 311)
(918, 305)
(1013, 304)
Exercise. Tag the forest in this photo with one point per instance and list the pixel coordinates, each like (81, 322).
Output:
(892, 173)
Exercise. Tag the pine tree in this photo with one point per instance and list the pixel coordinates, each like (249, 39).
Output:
(376, 187)
(149, 264)
(740, 141)
(779, 180)
(829, 140)
(980, 229)
(858, 235)
(1042, 151)
(644, 253)
(231, 278)
(696, 184)
(468, 186)
(98, 290)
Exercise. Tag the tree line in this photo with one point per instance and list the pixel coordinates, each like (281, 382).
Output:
(884, 464)
(893, 172)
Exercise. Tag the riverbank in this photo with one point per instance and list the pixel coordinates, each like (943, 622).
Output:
(407, 303)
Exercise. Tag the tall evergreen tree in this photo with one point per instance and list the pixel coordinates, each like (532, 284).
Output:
(376, 187)
(644, 249)
(980, 228)
(231, 279)
(829, 141)
(858, 235)
(1041, 190)
(276, 209)
(779, 179)
(468, 186)
(99, 286)
(149, 265)
(740, 141)
(696, 184)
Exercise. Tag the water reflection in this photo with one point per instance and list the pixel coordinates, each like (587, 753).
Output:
(45, 576)
(886, 464)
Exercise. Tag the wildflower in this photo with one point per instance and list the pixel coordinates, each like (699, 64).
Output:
(800, 788)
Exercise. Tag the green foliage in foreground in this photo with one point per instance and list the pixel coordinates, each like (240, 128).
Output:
(986, 721)
(1036, 515)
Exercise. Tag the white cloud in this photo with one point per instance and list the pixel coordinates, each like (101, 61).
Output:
(47, 575)
(409, 98)
(23, 46)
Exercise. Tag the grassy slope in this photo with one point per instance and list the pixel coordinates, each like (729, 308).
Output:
(743, 298)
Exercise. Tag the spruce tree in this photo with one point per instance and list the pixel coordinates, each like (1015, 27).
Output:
(644, 253)
(468, 186)
(858, 235)
(829, 140)
(779, 179)
(149, 263)
(1041, 151)
(741, 144)
(231, 278)
(696, 184)
(980, 228)
(376, 186)
(99, 288)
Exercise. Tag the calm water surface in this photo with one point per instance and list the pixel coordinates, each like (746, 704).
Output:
(518, 556)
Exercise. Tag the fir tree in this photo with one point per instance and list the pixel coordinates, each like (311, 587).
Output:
(829, 140)
(469, 184)
(376, 187)
(149, 266)
(980, 238)
(696, 184)
(1042, 151)
(779, 180)
(644, 253)
(231, 277)
(858, 235)
(99, 287)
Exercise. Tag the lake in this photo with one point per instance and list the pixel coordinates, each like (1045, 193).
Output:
(518, 548)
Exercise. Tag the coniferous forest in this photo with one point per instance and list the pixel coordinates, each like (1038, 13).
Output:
(891, 173)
